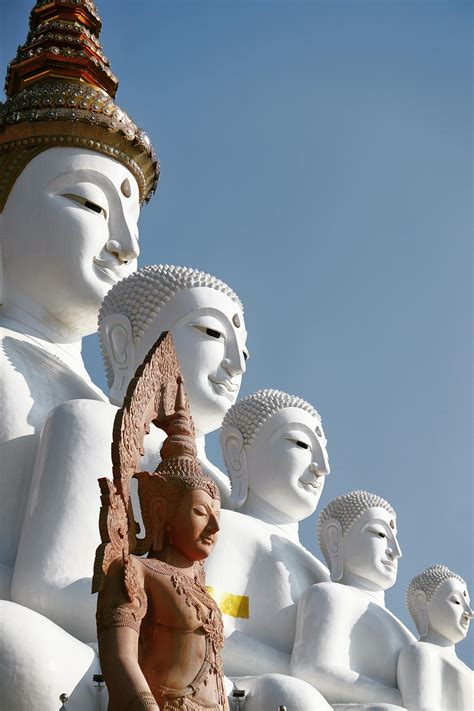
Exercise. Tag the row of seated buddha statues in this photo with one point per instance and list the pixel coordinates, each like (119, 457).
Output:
(285, 613)
(74, 171)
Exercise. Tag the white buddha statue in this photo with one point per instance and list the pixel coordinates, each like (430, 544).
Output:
(206, 321)
(347, 643)
(430, 675)
(74, 169)
(205, 318)
(275, 452)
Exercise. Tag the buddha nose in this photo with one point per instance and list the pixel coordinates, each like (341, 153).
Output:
(213, 525)
(234, 361)
(320, 464)
(393, 550)
(318, 468)
(125, 251)
(469, 612)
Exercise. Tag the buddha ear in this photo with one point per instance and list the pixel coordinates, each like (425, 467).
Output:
(332, 535)
(423, 620)
(118, 340)
(233, 451)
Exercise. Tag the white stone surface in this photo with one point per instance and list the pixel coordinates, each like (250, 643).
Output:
(59, 259)
(259, 554)
(39, 661)
(209, 335)
(54, 564)
(347, 643)
(430, 675)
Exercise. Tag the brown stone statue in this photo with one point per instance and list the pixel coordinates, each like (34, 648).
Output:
(160, 634)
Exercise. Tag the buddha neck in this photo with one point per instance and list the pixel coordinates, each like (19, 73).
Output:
(23, 314)
(366, 586)
(258, 508)
(173, 557)
(435, 638)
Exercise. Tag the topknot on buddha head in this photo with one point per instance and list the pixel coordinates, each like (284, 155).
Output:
(249, 414)
(427, 583)
(347, 528)
(158, 298)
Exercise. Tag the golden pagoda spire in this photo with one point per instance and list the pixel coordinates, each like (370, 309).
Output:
(61, 92)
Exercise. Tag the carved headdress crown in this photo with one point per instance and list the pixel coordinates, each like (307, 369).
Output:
(179, 464)
(61, 91)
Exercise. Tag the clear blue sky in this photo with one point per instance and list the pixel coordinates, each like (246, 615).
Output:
(317, 157)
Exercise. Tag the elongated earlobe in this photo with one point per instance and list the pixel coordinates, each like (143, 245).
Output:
(332, 533)
(118, 340)
(423, 621)
(233, 451)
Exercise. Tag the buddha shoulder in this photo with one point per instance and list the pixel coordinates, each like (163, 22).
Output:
(417, 655)
(28, 365)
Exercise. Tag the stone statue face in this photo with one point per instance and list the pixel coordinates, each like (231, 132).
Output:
(70, 232)
(449, 610)
(209, 335)
(287, 462)
(371, 550)
(196, 524)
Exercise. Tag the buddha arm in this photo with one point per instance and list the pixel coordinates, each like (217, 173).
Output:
(60, 533)
(244, 655)
(322, 651)
(420, 679)
(118, 626)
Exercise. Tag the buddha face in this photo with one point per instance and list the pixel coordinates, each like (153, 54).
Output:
(69, 230)
(449, 610)
(195, 525)
(371, 550)
(209, 335)
(287, 462)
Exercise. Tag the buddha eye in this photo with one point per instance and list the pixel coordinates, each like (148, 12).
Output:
(375, 532)
(303, 445)
(213, 333)
(87, 203)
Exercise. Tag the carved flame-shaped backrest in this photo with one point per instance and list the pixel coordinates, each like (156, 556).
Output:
(150, 398)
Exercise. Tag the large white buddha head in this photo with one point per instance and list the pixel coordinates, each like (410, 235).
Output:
(357, 534)
(74, 170)
(438, 601)
(274, 449)
(205, 318)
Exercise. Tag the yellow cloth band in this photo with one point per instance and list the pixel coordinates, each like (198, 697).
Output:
(230, 604)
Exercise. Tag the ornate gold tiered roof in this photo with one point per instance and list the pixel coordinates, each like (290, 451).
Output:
(61, 92)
